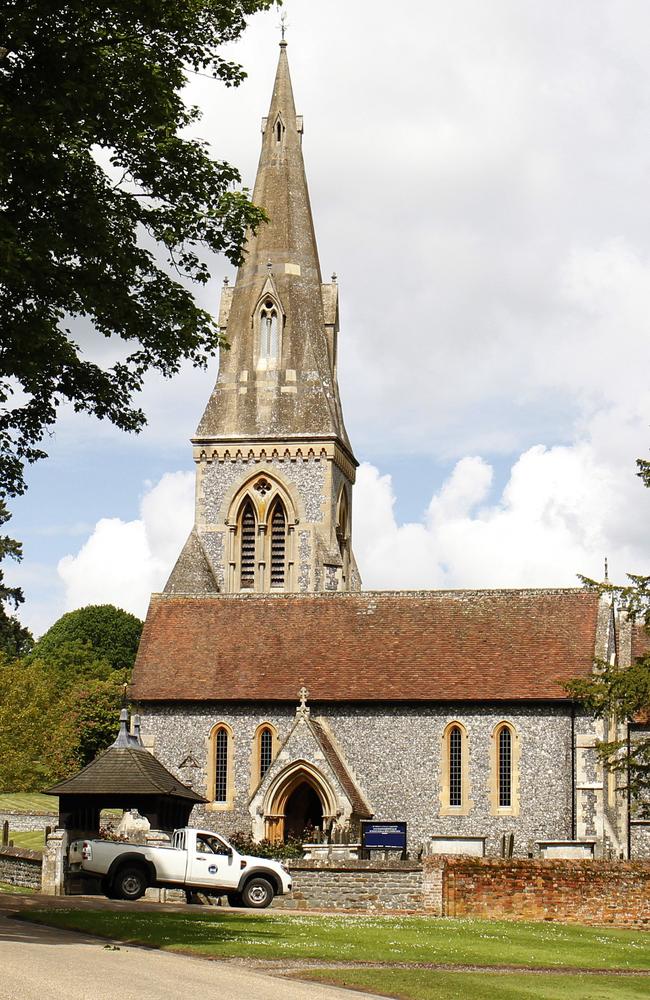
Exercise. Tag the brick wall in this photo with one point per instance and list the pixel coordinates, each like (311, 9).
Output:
(20, 867)
(354, 885)
(585, 892)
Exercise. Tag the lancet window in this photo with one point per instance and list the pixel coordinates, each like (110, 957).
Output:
(262, 534)
(220, 766)
(504, 768)
(454, 791)
(266, 750)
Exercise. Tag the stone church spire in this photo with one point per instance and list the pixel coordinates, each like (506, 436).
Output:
(279, 377)
(275, 468)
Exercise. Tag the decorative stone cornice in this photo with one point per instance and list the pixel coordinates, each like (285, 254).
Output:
(308, 450)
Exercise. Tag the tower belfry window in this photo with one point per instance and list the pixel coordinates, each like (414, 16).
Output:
(268, 330)
(247, 558)
(278, 545)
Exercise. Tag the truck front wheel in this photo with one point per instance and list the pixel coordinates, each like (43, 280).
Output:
(257, 893)
(130, 883)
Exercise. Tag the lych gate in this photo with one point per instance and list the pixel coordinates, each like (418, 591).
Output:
(126, 776)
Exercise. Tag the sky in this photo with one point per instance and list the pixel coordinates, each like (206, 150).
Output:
(479, 183)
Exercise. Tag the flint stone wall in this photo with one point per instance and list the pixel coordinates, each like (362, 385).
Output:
(354, 885)
(21, 867)
(394, 754)
(640, 840)
(20, 822)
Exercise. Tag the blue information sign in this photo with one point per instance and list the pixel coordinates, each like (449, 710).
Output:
(386, 836)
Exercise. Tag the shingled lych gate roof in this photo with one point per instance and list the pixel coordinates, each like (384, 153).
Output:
(419, 646)
(125, 771)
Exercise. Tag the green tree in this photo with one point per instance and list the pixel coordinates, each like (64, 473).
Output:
(36, 731)
(107, 212)
(15, 639)
(94, 712)
(107, 207)
(624, 693)
(109, 632)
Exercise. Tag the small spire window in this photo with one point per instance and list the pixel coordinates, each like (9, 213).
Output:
(268, 330)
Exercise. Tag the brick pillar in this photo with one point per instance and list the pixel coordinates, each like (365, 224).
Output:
(432, 885)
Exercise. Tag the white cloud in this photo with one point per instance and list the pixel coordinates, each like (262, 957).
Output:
(124, 561)
(562, 511)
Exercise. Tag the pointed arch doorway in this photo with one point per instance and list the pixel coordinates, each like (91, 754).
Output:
(298, 801)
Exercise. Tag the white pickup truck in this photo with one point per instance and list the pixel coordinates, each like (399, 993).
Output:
(195, 860)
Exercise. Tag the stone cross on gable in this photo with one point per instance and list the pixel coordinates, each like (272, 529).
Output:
(303, 694)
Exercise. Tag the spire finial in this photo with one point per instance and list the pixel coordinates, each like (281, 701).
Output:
(284, 24)
(606, 570)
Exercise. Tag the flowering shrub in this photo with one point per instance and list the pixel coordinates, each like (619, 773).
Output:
(244, 843)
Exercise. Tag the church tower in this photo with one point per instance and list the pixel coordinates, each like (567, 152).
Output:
(274, 465)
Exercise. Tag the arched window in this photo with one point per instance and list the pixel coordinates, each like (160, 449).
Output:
(504, 791)
(247, 532)
(266, 750)
(278, 535)
(220, 785)
(454, 785)
(263, 750)
(221, 766)
(455, 767)
(505, 766)
(268, 320)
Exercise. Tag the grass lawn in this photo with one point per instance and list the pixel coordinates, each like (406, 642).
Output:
(20, 889)
(32, 839)
(28, 802)
(421, 984)
(364, 938)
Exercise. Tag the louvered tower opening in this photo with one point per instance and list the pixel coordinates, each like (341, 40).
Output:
(278, 546)
(247, 559)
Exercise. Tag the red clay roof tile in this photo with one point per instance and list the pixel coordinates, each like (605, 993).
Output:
(369, 646)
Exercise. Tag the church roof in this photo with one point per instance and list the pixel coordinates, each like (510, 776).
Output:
(372, 646)
(300, 398)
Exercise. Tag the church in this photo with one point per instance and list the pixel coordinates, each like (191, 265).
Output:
(285, 695)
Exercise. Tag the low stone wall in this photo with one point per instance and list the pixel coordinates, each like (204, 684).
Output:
(586, 892)
(354, 885)
(20, 867)
(20, 822)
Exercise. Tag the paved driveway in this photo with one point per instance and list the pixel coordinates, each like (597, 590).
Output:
(44, 963)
